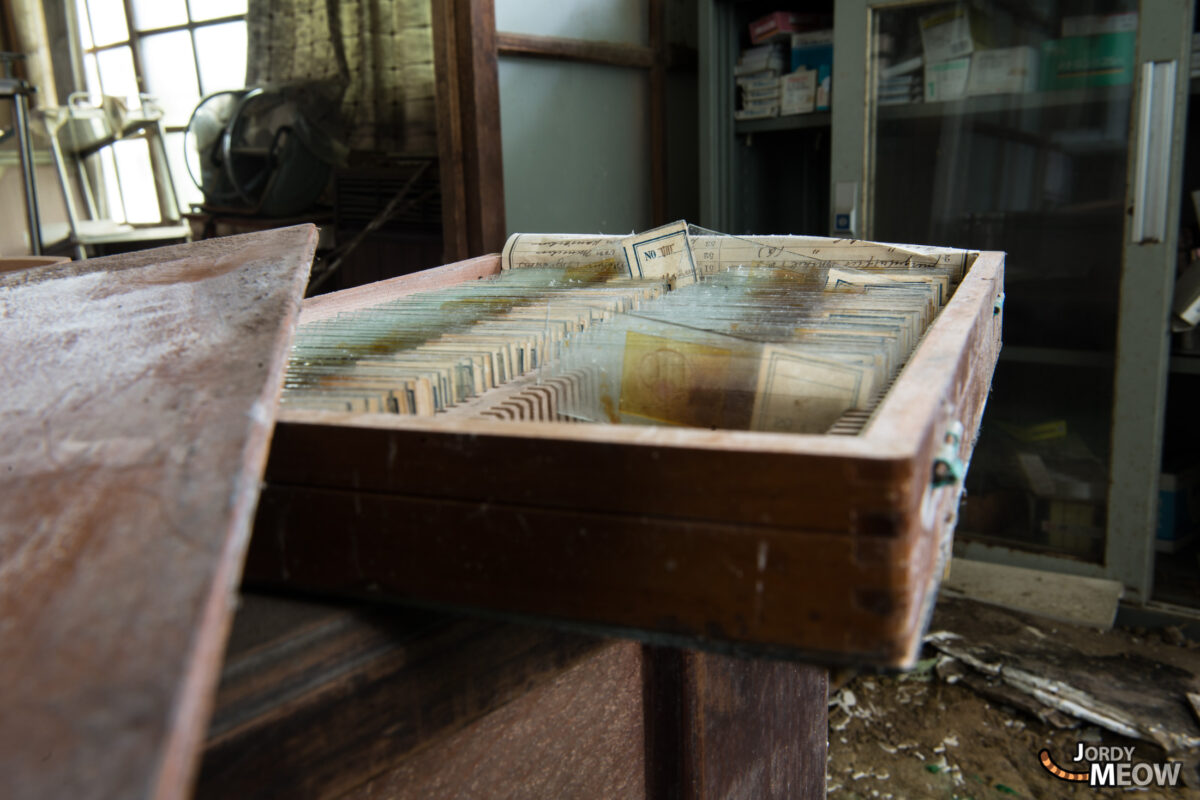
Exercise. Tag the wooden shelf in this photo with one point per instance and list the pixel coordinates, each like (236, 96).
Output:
(968, 106)
(1057, 356)
(792, 122)
(1007, 103)
(1185, 365)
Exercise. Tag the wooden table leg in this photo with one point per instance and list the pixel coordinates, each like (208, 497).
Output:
(727, 727)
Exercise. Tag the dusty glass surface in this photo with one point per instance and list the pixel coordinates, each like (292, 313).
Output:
(1005, 126)
(774, 334)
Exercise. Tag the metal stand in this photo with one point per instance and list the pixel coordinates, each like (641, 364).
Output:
(19, 90)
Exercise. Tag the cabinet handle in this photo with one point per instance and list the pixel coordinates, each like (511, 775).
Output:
(1156, 105)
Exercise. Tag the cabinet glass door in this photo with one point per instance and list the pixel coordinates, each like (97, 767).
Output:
(1015, 127)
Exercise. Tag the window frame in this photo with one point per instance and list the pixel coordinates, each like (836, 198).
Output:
(82, 14)
(133, 38)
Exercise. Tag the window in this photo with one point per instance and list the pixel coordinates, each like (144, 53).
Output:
(176, 51)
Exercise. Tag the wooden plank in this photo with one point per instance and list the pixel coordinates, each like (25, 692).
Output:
(811, 489)
(139, 396)
(658, 113)
(577, 736)
(476, 21)
(947, 379)
(613, 54)
(756, 729)
(469, 146)
(451, 137)
(825, 595)
(1135, 687)
(324, 701)
(315, 698)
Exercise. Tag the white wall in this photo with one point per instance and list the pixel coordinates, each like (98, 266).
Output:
(575, 137)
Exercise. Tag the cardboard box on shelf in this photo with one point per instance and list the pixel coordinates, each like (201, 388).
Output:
(948, 35)
(764, 58)
(765, 112)
(757, 83)
(899, 90)
(1083, 61)
(1093, 24)
(947, 80)
(780, 24)
(1005, 70)
(799, 92)
(813, 51)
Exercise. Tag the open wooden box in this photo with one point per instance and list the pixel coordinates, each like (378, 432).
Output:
(826, 547)
(136, 421)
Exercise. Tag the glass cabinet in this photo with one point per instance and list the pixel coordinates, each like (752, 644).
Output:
(1052, 130)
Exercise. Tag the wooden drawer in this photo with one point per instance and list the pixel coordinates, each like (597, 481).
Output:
(827, 547)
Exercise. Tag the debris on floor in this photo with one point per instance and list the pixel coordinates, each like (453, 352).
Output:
(1005, 705)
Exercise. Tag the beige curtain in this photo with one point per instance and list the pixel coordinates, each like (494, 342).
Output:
(380, 78)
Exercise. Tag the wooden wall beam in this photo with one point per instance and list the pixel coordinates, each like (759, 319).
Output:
(658, 115)
(612, 54)
(468, 109)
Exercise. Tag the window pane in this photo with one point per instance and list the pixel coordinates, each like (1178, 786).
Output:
(108, 22)
(222, 52)
(91, 75)
(149, 14)
(116, 74)
(185, 188)
(215, 9)
(137, 180)
(546, 109)
(605, 20)
(110, 185)
(85, 26)
(171, 74)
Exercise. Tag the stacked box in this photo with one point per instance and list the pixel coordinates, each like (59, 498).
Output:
(798, 92)
(1095, 24)
(947, 80)
(899, 90)
(757, 74)
(781, 24)
(1082, 61)
(1006, 70)
(948, 35)
(814, 50)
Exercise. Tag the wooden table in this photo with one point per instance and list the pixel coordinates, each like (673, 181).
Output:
(138, 402)
(344, 701)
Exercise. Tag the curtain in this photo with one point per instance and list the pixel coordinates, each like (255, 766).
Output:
(369, 64)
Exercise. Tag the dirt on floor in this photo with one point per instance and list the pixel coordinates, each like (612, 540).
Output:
(917, 737)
